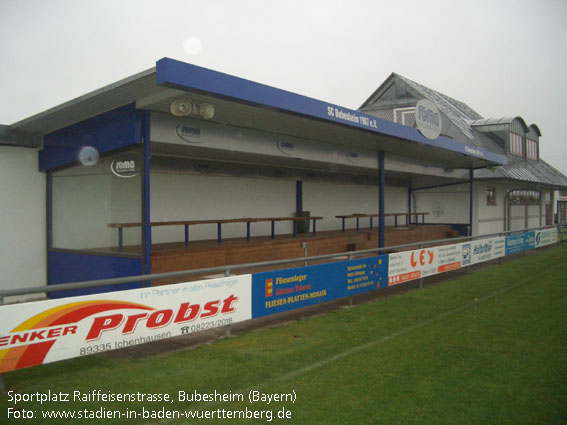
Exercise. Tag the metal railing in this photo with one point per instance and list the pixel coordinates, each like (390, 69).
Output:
(229, 268)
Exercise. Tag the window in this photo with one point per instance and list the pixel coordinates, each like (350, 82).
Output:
(524, 197)
(490, 196)
(405, 116)
(517, 143)
(86, 199)
(531, 149)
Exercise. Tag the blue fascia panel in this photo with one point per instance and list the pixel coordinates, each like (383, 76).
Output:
(180, 75)
(70, 267)
(107, 132)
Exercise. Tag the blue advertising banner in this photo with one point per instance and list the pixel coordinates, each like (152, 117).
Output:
(284, 290)
(520, 242)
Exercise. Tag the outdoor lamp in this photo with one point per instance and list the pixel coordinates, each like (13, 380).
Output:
(207, 111)
(181, 108)
(184, 107)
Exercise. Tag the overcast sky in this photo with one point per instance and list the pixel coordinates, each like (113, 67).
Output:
(501, 57)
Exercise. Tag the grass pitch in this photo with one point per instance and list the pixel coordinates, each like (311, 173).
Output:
(485, 348)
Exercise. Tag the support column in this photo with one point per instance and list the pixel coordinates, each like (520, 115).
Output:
(381, 201)
(471, 199)
(146, 220)
(408, 217)
(555, 214)
(299, 196)
(49, 209)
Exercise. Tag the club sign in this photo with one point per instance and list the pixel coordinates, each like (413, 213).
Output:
(428, 119)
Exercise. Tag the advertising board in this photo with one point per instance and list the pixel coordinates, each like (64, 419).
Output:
(481, 250)
(520, 242)
(419, 263)
(546, 237)
(284, 290)
(46, 331)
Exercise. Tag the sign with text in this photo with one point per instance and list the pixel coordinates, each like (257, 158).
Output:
(481, 250)
(519, 242)
(546, 237)
(428, 119)
(41, 332)
(284, 290)
(45, 331)
(410, 265)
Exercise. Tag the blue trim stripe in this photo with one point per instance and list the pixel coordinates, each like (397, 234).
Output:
(113, 130)
(180, 75)
(69, 267)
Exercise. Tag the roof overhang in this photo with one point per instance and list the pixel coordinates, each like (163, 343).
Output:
(14, 138)
(247, 104)
(267, 108)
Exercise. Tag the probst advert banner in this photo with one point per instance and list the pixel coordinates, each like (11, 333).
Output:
(46, 331)
(284, 290)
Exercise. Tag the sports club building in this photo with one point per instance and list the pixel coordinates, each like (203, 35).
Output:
(517, 195)
(182, 167)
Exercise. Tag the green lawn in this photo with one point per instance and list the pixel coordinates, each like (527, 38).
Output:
(486, 348)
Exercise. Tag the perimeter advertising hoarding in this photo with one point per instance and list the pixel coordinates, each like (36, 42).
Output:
(46, 331)
(406, 266)
(520, 242)
(481, 250)
(284, 290)
(410, 265)
(562, 233)
(546, 237)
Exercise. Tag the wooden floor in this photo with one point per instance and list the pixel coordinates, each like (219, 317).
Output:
(204, 254)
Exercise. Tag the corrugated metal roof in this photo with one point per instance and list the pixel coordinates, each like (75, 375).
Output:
(97, 102)
(459, 113)
(492, 121)
(536, 172)
(466, 119)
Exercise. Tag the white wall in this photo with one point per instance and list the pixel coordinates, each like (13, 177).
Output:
(444, 205)
(198, 197)
(331, 199)
(85, 204)
(195, 197)
(22, 210)
(517, 217)
(534, 216)
(490, 217)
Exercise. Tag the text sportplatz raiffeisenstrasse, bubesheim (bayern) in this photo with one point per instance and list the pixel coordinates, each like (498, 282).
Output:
(191, 405)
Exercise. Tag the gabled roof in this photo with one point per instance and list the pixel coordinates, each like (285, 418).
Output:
(458, 113)
(477, 129)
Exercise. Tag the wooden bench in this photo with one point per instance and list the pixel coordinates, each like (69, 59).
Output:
(371, 216)
(219, 223)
